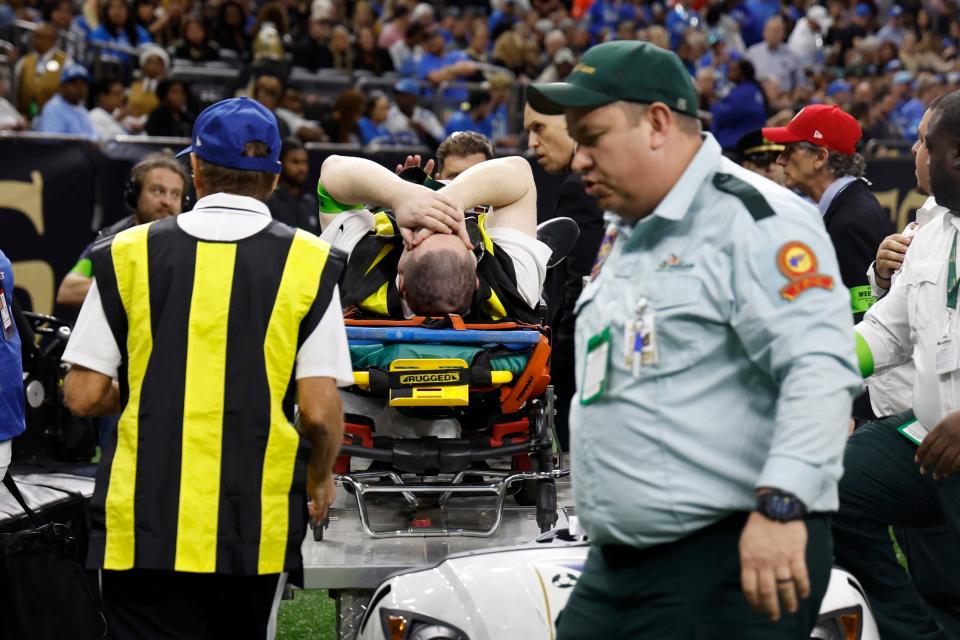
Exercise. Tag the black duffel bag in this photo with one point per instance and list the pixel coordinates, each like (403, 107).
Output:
(44, 592)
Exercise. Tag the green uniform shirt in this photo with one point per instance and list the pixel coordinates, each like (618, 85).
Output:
(751, 374)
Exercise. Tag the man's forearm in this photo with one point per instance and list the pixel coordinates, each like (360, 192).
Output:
(73, 290)
(321, 422)
(357, 180)
(498, 183)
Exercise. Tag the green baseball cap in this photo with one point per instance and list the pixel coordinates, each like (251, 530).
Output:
(621, 70)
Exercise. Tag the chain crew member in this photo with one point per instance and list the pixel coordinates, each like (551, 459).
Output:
(200, 328)
(715, 372)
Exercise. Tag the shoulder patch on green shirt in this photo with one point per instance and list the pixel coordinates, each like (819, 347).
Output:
(752, 199)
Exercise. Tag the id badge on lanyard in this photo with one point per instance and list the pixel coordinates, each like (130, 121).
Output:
(947, 354)
(6, 313)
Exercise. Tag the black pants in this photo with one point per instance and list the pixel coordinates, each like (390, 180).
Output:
(687, 590)
(882, 486)
(156, 605)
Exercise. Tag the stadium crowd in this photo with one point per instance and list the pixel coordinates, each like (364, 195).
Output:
(106, 68)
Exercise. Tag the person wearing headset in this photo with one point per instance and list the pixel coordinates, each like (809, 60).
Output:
(156, 189)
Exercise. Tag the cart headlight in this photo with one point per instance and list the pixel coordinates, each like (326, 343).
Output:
(842, 624)
(405, 625)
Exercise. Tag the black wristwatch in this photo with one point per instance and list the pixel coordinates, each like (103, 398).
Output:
(781, 506)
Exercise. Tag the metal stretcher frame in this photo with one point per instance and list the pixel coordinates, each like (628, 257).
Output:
(528, 395)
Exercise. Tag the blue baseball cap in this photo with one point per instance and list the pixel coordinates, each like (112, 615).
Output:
(838, 86)
(74, 71)
(863, 10)
(224, 128)
(407, 85)
(902, 77)
(896, 10)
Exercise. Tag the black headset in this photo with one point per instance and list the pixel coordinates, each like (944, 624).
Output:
(133, 188)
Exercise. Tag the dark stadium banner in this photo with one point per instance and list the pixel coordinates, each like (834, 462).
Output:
(46, 209)
(48, 191)
(894, 183)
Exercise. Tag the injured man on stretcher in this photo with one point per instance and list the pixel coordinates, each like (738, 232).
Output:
(467, 247)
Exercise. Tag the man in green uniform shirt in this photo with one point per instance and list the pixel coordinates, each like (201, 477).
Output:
(715, 370)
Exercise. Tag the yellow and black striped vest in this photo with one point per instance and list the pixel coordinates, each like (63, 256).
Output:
(370, 279)
(206, 473)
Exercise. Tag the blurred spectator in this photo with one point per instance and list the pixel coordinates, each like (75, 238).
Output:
(705, 83)
(560, 68)
(759, 155)
(270, 39)
(508, 52)
(406, 53)
(313, 51)
(363, 17)
(474, 115)
(171, 118)
(231, 31)
(406, 116)
(64, 112)
(553, 42)
(70, 36)
(532, 61)
(290, 112)
(847, 34)
(503, 18)
(341, 49)
(863, 92)
(880, 119)
(680, 20)
(268, 90)
(343, 124)
(368, 56)
(655, 34)
(772, 59)
(373, 124)
(38, 72)
(893, 31)
(108, 113)
(291, 203)
(839, 92)
(923, 53)
(154, 63)
(438, 66)
(162, 23)
(928, 88)
(118, 28)
(393, 31)
(604, 16)
(500, 85)
(195, 45)
(479, 42)
(10, 118)
(806, 40)
(742, 110)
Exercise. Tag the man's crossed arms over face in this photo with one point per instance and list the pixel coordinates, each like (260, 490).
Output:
(414, 252)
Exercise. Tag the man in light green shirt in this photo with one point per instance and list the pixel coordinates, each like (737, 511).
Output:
(715, 369)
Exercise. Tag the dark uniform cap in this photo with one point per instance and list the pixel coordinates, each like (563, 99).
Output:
(753, 146)
(620, 70)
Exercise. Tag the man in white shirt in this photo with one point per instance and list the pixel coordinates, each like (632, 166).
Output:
(773, 59)
(490, 267)
(406, 116)
(806, 40)
(888, 479)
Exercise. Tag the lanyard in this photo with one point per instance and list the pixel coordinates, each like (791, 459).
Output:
(952, 281)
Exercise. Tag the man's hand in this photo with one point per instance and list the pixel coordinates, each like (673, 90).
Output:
(940, 449)
(321, 494)
(414, 161)
(418, 206)
(773, 567)
(891, 253)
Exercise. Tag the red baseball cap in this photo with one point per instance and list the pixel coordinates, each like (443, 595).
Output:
(820, 124)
